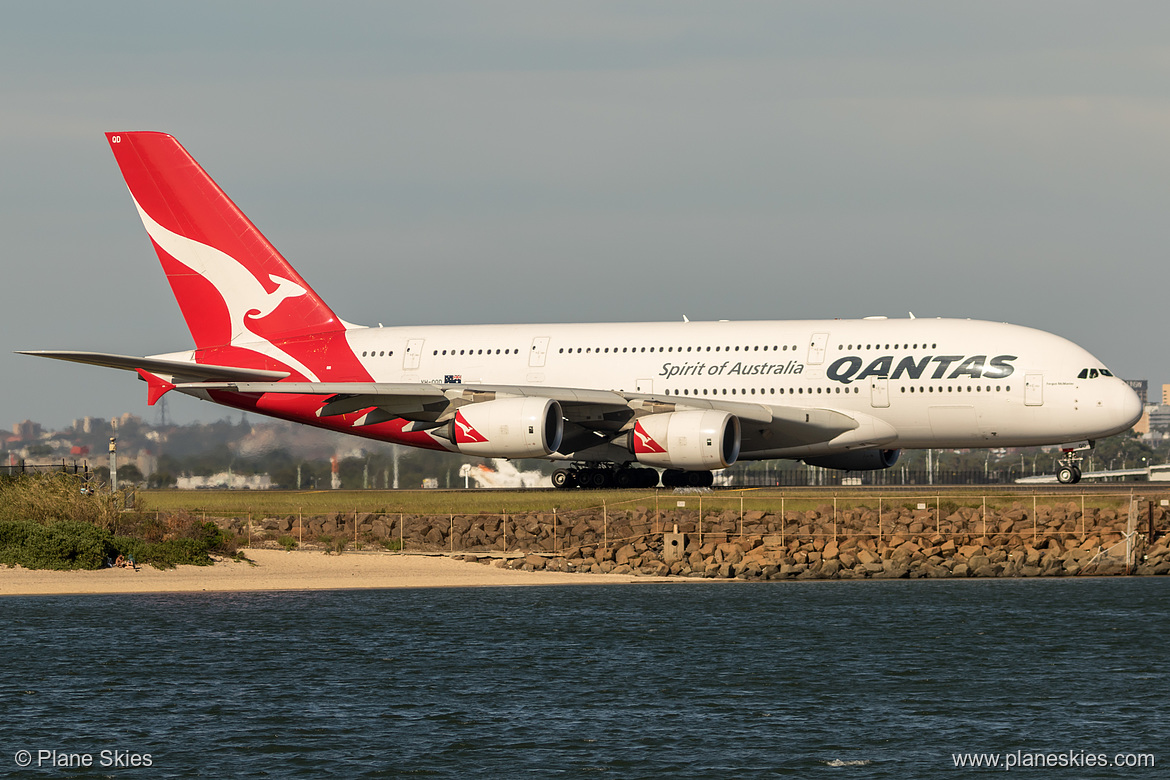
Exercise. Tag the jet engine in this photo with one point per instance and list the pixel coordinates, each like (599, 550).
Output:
(695, 440)
(508, 428)
(858, 460)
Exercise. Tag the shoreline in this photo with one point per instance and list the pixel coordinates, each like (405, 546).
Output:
(279, 570)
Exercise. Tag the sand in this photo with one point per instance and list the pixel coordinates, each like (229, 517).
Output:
(299, 570)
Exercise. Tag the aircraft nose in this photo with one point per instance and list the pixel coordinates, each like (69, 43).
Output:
(1128, 406)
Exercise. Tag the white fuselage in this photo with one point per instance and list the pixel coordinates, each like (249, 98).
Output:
(935, 382)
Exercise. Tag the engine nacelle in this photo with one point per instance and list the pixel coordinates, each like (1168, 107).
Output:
(858, 460)
(695, 440)
(508, 428)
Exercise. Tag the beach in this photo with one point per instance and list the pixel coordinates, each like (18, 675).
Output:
(298, 570)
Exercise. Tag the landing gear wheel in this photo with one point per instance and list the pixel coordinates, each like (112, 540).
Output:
(1067, 475)
(625, 478)
(1076, 474)
(649, 478)
(562, 479)
(700, 479)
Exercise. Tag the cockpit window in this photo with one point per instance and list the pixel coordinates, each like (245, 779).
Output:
(1084, 374)
(1092, 373)
(1106, 372)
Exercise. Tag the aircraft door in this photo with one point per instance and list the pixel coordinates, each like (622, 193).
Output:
(537, 354)
(1034, 390)
(879, 392)
(816, 349)
(413, 355)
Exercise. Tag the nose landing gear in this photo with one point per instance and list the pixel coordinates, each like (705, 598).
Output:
(1068, 470)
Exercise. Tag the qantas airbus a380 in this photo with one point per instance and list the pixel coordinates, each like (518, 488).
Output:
(686, 397)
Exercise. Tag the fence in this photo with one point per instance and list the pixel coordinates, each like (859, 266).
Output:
(779, 521)
(64, 467)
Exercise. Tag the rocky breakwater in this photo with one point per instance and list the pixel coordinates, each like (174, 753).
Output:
(1020, 540)
(903, 543)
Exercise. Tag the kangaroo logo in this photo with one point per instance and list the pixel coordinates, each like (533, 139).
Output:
(643, 442)
(245, 298)
(465, 433)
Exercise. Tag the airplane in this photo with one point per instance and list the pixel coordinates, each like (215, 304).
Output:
(612, 403)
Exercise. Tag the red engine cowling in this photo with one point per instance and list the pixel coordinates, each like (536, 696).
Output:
(695, 440)
(509, 428)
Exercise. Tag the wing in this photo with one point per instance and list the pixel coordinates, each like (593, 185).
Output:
(592, 417)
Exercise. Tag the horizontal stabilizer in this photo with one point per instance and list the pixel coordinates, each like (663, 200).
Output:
(179, 370)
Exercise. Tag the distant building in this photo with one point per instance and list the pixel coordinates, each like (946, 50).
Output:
(1142, 388)
(1142, 426)
(1160, 418)
(27, 430)
(226, 479)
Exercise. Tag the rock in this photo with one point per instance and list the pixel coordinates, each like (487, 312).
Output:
(729, 553)
(624, 554)
(866, 557)
(976, 562)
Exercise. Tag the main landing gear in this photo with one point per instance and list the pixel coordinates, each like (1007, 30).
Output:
(611, 476)
(605, 476)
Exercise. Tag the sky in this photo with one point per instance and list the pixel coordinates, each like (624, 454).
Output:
(471, 162)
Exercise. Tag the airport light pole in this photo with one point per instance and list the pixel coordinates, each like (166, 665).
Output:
(113, 464)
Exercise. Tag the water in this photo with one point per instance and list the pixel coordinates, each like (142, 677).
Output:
(831, 679)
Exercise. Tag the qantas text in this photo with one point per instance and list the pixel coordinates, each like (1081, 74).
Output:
(849, 369)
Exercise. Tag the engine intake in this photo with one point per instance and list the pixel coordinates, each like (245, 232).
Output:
(696, 440)
(508, 428)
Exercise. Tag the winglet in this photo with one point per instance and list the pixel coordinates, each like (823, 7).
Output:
(156, 387)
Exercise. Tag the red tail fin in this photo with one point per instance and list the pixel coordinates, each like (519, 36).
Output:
(233, 287)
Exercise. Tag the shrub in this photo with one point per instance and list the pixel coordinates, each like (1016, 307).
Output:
(63, 545)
